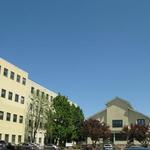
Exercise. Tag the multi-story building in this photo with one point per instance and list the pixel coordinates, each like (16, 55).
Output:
(15, 91)
(116, 115)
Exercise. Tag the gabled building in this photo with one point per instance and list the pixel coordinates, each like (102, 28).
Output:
(117, 114)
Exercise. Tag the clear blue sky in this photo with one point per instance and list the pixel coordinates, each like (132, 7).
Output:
(90, 51)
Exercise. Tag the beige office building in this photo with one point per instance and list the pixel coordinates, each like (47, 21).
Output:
(15, 90)
(116, 115)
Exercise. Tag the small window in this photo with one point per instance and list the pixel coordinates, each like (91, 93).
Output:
(117, 123)
(16, 97)
(41, 125)
(51, 97)
(8, 116)
(10, 95)
(12, 75)
(1, 115)
(3, 93)
(21, 119)
(47, 96)
(5, 72)
(0, 69)
(43, 94)
(0, 136)
(24, 81)
(40, 140)
(37, 92)
(30, 123)
(19, 138)
(32, 90)
(7, 138)
(22, 100)
(13, 139)
(18, 78)
(14, 118)
(141, 121)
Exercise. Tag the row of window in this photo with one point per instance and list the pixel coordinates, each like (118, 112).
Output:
(10, 96)
(13, 138)
(10, 117)
(119, 123)
(12, 76)
(37, 92)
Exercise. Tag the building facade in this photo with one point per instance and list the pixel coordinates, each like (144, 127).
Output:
(15, 91)
(116, 115)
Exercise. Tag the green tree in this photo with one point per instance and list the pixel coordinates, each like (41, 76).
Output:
(66, 121)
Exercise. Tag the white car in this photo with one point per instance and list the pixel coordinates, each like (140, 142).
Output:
(108, 147)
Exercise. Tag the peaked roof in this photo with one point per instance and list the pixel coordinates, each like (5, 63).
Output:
(119, 99)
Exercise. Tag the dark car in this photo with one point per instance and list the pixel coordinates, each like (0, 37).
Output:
(137, 148)
(3, 145)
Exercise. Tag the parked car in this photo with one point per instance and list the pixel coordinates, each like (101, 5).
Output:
(137, 148)
(51, 147)
(3, 145)
(107, 147)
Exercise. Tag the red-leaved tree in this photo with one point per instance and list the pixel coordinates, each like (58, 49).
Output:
(95, 130)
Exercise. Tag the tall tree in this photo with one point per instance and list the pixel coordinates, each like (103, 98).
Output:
(37, 108)
(66, 120)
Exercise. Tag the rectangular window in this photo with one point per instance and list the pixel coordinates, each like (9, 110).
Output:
(19, 138)
(32, 90)
(30, 123)
(37, 92)
(51, 97)
(14, 118)
(7, 138)
(16, 97)
(22, 100)
(10, 95)
(24, 81)
(141, 121)
(117, 123)
(5, 72)
(43, 94)
(40, 140)
(0, 136)
(18, 78)
(21, 119)
(47, 96)
(13, 139)
(1, 115)
(3, 93)
(8, 116)
(12, 75)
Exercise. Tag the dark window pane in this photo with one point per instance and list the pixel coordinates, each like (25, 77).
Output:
(14, 118)
(19, 138)
(13, 139)
(141, 121)
(22, 100)
(21, 119)
(12, 75)
(16, 97)
(8, 116)
(117, 123)
(24, 81)
(7, 138)
(32, 90)
(18, 78)
(1, 115)
(10, 95)
(3, 93)
(5, 72)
